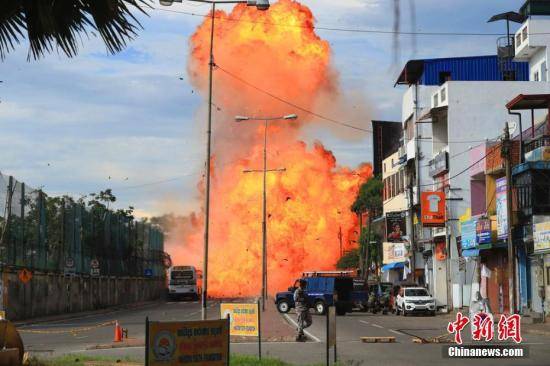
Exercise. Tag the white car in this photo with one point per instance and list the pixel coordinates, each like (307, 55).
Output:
(414, 300)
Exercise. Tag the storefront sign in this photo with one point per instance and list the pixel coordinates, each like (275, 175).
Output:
(541, 236)
(396, 226)
(439, 164)
(433, 209)
(483, 231)
(468, 233)
(502, 209)
(244, 318)
(198, 343)
(394, 252)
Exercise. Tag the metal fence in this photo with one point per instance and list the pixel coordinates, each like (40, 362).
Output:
(61, 234)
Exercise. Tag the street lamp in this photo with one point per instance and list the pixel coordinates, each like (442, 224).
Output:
(260, 5)
(264, 208)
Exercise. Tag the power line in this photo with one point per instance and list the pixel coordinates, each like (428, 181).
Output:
(460, 173)
(341, 29)
(292, 104)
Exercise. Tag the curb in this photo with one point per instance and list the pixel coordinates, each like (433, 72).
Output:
(55, 318)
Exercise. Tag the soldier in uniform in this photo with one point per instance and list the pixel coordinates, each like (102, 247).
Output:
(302, 310)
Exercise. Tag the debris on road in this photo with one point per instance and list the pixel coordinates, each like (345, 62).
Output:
(378, 339)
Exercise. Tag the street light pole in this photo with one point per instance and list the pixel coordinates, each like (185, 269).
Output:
(264, 203)
(260, 5)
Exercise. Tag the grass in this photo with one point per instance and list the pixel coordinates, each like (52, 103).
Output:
(80, 360)
(83, 360)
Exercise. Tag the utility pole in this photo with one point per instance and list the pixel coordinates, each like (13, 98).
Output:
(340, 239)
(264, 206)
(506, 153)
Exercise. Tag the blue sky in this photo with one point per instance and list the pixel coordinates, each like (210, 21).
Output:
(75, 126)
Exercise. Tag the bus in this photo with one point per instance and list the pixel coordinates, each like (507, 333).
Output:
(184, 282)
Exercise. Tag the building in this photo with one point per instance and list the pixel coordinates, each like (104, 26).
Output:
(396, 243)
(386, 137)
(446, 109)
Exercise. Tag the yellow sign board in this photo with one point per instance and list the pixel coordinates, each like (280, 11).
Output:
(541, 236)
(244, 318)
(196, 343)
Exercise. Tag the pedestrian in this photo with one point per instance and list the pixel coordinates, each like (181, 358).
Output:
(302, 310)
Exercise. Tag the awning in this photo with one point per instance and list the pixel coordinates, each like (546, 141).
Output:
(470, 253)
(396, 265)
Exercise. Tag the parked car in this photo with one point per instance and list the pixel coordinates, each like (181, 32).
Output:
(321, 292)
(414, 300)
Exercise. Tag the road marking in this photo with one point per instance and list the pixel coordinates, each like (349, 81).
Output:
(364, 322)
(305, 331)
(396, 332)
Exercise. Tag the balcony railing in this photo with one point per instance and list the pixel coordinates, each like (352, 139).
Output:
(537, 143)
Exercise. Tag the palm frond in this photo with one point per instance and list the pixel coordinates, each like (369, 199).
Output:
(60, 24)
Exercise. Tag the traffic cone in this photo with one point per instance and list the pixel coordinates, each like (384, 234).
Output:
(118, 332)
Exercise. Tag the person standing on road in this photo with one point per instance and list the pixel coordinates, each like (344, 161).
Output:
(302, 310)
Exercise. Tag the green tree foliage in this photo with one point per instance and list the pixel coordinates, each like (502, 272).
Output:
(349, 260)
(369, 198)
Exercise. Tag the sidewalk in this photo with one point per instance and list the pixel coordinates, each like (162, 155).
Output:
(539, 328)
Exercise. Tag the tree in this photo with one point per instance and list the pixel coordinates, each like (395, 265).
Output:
(349, 260)
(60, 24)
(369, 201)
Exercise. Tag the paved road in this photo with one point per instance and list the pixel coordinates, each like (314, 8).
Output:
(350, 328)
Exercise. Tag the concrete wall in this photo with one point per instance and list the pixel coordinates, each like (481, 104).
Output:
(51, 294)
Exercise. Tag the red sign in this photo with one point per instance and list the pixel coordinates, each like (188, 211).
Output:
(433, 209)
(25, 275)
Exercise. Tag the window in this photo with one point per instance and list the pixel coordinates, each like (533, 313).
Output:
(509, 75)
(443, 94)
(543, 72)
(436, 104)
(536, 76)
(518, 40)
(444, 76)
(524, 34)
(409, 129)
(384, 165)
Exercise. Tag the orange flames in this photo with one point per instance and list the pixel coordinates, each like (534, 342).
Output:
(309, 203)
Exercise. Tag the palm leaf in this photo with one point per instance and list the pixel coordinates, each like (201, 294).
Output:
(60, 24)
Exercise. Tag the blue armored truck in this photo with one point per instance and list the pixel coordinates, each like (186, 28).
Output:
(322, 291)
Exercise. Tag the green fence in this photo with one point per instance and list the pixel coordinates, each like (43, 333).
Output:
(60, 234)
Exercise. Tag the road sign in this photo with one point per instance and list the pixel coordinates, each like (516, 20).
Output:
(148, 272)
(25, 275)
(198, 343)
(244, 319)
(69, 266)
(94, 268)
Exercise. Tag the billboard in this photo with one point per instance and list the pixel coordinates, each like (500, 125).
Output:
(502, 208)
(396, 226)
(469, 234)
(541, 235)
(244, 318)
(394, 252)
(433, 209)
(194, 343)
(483, 231)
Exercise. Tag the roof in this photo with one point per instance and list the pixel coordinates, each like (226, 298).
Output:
(472, 68)
(510, 15)
(531, 165)
(529, 101)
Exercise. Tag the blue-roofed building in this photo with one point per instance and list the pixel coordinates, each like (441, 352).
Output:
(450, 106)
(436, 71)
